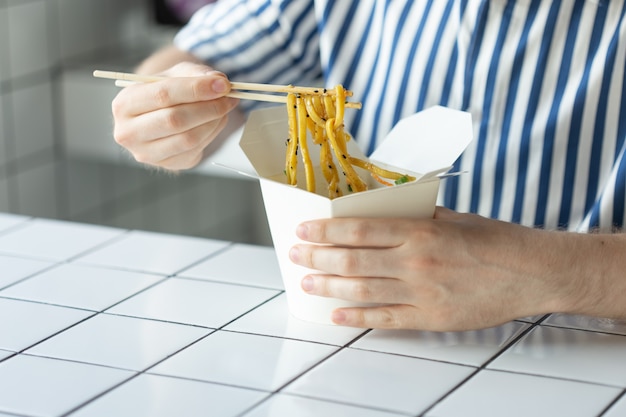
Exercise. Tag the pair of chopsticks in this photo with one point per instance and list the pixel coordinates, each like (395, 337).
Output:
(238, 89)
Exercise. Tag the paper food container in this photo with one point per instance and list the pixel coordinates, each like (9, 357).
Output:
(424, 145)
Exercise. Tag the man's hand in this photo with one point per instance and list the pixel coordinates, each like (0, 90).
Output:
(169, 123)
(453, 272)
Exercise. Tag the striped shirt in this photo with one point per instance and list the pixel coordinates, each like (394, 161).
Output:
(543, 80)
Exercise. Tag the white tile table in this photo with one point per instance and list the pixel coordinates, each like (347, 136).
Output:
(98, 321)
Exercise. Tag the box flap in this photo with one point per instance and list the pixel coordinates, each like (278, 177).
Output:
(428, 141)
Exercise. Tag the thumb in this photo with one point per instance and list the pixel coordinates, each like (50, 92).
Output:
(214, 81)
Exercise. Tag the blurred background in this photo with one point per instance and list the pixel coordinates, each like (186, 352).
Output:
(57, 155)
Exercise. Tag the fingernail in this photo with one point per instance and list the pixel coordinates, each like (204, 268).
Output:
(302, 231)
(294, 254)
(338, 316)
(220, 86)
(307, 283)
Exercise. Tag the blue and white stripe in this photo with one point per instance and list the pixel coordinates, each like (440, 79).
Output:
(543, 80)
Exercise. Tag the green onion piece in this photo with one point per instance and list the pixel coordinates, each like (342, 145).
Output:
(402, 180)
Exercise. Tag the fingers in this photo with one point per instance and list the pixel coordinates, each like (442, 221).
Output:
(142, 98)
(355, 232)
(404, 316)
(345, 262)
(186, 151)
(156, 151)
(383, 317)
(364, 290)
(170, 121)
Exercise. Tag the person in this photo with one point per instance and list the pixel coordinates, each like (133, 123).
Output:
(533, 228)
(182, 10)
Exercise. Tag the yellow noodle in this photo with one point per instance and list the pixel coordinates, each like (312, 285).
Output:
(375, 169)
(304, 147)
(353, 180)
(322, 114)
(291, 158)
(312, 111)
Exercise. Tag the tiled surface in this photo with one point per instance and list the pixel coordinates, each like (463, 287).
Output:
(161, 396)
(8, 221)
(4, 44)
(291, 405)
(378, 380)
(23, 323)
(244, 264)
(199, 303)
(54, 240)
(270, 319)
(566, 353)
(120, 342)
(470, 348)
(587, 323)
(37, 186)
(33, 119)
(75, 285)
(618, 409)
(15, 269)
(3, 139)
(151, 252)
(29, 49)
(492, 393)
(36, 386)
(250, 361)
(92, 325)
(4, 191)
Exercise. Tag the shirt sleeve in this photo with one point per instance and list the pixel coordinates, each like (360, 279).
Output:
(264, 41)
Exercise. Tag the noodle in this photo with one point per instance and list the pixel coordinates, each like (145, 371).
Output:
(322, 115)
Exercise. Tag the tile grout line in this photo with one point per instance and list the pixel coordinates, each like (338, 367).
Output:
(280, 389)
(558, 378)
(612, 403)
(145, 371)
(483, 366)
(226, 248)
(26, 221)
(348, 345)
(22, 351)
(52, 265)
(217, 281)
(532, 326)
(123, 233)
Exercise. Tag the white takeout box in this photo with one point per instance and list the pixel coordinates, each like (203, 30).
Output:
(424, 145)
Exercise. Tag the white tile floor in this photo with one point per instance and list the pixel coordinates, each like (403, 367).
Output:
(107, 322)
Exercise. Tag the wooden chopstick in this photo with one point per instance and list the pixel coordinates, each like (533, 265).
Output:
(234, 94)
(124, 79)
